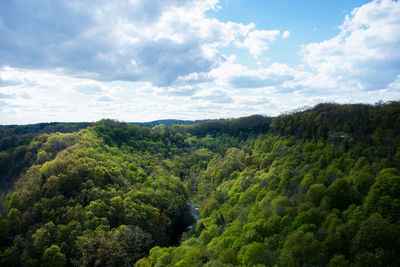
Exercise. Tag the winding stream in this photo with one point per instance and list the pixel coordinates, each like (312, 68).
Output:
(194, 212)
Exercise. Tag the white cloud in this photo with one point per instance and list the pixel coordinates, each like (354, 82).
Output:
(285, 34)
(257, 41)
(214, 95)
(104, 98)
(151, 41)
(234, 75)
(42, 96)
(365, 55)
(89, 88)
(6, 96)
(187, 90)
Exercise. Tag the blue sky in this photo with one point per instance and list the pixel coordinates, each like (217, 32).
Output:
(308, 21)
(141, 60)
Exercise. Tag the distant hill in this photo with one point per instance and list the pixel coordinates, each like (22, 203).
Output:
(166, 122)
(40, 128)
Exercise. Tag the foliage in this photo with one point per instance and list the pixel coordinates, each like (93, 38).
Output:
(320, 187)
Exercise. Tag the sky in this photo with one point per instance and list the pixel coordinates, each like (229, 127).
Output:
(143, 60)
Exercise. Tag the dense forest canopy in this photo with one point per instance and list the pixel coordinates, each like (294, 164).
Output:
(317, 187)
(18, 152)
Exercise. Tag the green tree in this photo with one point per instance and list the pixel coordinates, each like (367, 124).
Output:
(300, 249)
(15, 202)
(316, 193)
(384, 196)
(253, 254)
(375, 243)
(52, 256)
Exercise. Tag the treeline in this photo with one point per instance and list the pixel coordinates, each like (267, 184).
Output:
(366, 123)
(165, 122)
(241, 127)
(17, 135)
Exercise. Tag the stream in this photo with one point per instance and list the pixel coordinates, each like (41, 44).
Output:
(194, 212)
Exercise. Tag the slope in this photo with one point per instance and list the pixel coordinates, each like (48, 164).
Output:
(314, 188)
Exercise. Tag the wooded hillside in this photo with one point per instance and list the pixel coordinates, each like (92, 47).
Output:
(319, 187)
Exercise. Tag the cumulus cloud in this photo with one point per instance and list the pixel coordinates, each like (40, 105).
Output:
(6, 96)
(214, 95)
(42, 96)
(8, 80)
(257, 41)
(238, 76)
(176, 91)
(253, 100)
(104, 98)
(24, 81)
(155, 41)
(89, 88)
(365, 55)
(256, 81)
(5, 83)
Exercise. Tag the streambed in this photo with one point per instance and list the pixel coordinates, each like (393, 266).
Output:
(194, 212)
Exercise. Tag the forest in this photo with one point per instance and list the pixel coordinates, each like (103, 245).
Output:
(315, 187)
